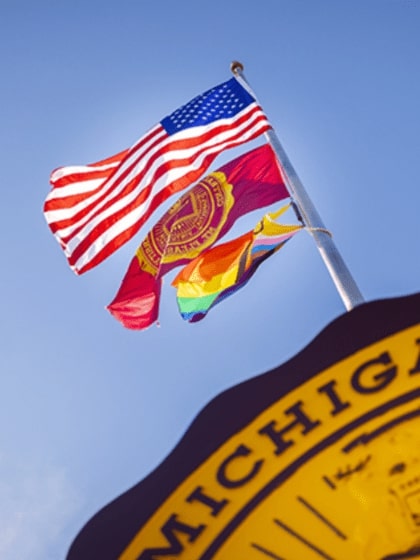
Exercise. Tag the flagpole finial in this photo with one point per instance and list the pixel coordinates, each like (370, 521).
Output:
(236, 67)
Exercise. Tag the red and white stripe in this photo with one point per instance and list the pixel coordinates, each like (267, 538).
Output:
(93, 210)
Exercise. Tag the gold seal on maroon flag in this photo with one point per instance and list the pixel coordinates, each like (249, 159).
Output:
(191, 225)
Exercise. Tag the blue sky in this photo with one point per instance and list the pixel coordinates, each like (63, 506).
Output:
(89, 408)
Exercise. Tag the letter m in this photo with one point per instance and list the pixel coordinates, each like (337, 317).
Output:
(175, 547)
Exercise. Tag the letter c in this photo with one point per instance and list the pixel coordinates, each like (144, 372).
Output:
(222, 477)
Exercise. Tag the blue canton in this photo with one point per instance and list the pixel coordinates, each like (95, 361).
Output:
(222, 102)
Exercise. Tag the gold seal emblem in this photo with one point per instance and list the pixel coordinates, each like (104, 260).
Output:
(331, 471)
(190, 225)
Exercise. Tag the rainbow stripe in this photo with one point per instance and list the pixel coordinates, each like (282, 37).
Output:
(223, 270)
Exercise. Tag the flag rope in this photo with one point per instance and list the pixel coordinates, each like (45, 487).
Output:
(323, 230)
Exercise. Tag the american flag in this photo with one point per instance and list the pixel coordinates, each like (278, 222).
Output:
(94, 209)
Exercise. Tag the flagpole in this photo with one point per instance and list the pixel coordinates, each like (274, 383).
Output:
(340, 274)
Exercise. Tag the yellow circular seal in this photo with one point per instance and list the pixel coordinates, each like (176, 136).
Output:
(192, 224)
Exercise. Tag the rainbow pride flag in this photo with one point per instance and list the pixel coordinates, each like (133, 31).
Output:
(223, 270)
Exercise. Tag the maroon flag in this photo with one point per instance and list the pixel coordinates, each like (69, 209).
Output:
(195, 222)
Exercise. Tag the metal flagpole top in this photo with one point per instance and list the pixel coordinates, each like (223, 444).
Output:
(236, 67)
(343, 280)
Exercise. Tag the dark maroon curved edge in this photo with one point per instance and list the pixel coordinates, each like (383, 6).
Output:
(110, 530)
